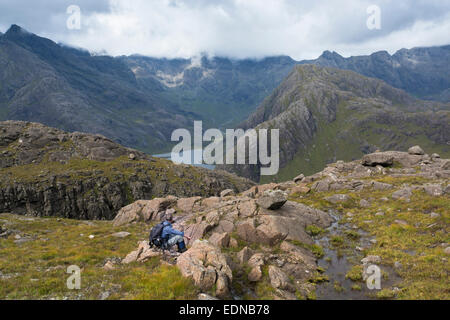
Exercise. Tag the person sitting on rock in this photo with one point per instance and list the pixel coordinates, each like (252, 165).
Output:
(173, 236)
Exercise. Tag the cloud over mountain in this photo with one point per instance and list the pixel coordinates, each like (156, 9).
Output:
(234, 28)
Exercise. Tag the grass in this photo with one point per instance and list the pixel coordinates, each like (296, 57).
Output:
(37, 268)
(355, 273)
(316, 249)
(314, 230)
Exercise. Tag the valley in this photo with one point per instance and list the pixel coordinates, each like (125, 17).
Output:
(358, 210)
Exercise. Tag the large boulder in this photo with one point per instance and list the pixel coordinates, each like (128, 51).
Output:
(299, 178)
(207, 267)
(381, 185)
(378, 158)
(244, 255)
(272, 199)
(255, 262)
(300, 189)
(435, 190)
(187, 204)
(337, 198)
(416, 150)
(403, 194)
(141, 254)
(302, 212)
(278, 279)
(247, 208)
(197, 231)
(221, 240)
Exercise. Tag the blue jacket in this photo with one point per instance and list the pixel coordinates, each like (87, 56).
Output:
(169, 232)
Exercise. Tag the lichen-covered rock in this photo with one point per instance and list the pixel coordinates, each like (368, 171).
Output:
(227, 193)
(255, 274)
(435, 190)
(207, 266)
(221, 240)
(416, 150)
(244, 255)
(300, 189)
(278, 279)
(381, 186)
(378, 158)
(141, 254)
(299, 178)
(336, 198)
(272, 199)
(144, 210)
(402, 194)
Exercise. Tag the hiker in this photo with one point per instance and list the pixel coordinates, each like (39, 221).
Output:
(173, 236)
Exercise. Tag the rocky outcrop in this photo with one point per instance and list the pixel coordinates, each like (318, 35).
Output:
(228, 222)
(208, 268)
(275, 243)
(141, 254)
(144, 210)
(379, 158)
(48, 172)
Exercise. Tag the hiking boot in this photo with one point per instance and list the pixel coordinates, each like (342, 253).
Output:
(181, 247)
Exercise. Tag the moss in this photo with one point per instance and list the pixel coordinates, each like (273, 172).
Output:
(352, 234)
(319, 279)
(311, 296)
(385, 294)
(355, 273)
(338, 287)
(314, 230)
(337, 241)
(316, 249)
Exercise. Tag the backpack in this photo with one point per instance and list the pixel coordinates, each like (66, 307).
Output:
(155, 238)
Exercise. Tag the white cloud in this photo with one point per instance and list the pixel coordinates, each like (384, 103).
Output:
(251, 28)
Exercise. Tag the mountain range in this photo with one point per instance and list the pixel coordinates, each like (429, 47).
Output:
(138, 101)
(327, 114)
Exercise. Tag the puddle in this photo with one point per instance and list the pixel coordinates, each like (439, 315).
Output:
(336, 267)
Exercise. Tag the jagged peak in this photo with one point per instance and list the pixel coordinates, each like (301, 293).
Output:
(330, 55)
(17, 30)
(382, 53)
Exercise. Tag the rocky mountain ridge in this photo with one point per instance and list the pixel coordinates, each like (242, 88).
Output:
(138, 101)
(422, 72)
(325, 114)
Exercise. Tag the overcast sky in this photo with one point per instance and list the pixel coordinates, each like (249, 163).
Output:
(234, 28)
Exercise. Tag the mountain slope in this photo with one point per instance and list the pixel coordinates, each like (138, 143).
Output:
(327, 114)
(138, 101)
(223, 91)
(72, 90)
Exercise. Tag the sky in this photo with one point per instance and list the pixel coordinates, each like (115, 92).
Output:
(234, 28)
